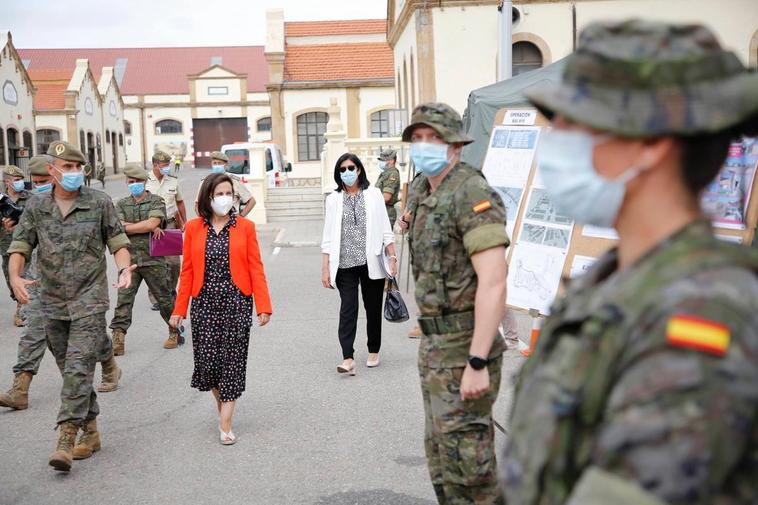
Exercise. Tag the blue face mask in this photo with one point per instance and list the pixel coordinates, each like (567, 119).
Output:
(71, 181)
(218, 169)
(349, 177)
(382, 166)
(429, 159)
(165, 170)
(18, 186)
(137, 188)
(43, 188)
(568, 173)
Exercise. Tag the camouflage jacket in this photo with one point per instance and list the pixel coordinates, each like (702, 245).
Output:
(462, 217)
(642, 386)
(5, 235)
(131, 211)
(70, 251)
(389, 182)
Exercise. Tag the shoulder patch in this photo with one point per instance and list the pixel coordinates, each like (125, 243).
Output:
(700, 334)
(480, 207)
(392, 178)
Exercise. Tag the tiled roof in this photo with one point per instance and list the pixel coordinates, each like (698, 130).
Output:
(50, 84)
(157, 70)
(338, 62)
(325, 28)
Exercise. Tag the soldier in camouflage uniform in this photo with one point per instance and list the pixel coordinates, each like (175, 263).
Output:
(642, 386)
(142, 214)
(13, 186)
(458, 242)
(70, 227)
(389, 182)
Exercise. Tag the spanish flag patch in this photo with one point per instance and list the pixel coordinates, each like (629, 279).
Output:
(700, 334)
(482, 206)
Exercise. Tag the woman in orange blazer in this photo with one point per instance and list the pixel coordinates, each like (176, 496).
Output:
(222, 272)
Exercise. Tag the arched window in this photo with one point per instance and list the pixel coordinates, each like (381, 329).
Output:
(82, 145)
(526, 57)
(107, 136)
(2, 147)
(168, 126)
(12, 146)
(45, 137)
(120, 139)
(311, 127)
(127, 127)
(412, 105)
(28, 140)
(380, 124)
(264, 124)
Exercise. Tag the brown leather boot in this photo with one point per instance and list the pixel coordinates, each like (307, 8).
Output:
(17, 397)
(63, 455)
(17, 319)
(89, 441)
(118, 337)
(172, 341)
(111, 376)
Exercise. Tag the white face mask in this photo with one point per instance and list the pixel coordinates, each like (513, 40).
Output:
(222, 204)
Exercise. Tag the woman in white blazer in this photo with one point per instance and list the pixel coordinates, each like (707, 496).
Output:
(357, 234)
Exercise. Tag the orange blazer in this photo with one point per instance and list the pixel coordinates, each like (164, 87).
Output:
(244, 262)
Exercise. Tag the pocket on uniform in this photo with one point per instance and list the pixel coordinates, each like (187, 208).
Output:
(469, 458)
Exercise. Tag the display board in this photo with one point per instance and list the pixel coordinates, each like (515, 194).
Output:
(548, 247)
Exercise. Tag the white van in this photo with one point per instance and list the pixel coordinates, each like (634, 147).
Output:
(255, 160)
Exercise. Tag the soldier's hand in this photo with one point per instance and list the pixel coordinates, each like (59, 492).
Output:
(8, 224)
(19, 285)
(175, 321)
(405, 221)
(474, 383)
(158, 233)
(263, 319)
(125, 278)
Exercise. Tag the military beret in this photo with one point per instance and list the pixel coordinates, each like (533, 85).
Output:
(66, 151)
(38, 165)
(135, 171)
(12, 171)
(161, 157)
(388, 154)
(219, 156)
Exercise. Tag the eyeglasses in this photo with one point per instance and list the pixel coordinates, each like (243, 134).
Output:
(352, 168)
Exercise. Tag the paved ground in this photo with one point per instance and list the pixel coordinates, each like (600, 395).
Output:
(306, 435)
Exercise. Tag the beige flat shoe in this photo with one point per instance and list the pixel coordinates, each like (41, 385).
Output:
(226, 438)
(351, 370)
(372, 363)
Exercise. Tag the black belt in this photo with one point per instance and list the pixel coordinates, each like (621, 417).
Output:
(449, 323)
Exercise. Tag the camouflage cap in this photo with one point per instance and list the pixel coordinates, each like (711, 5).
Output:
(12, 171)
(646, 79)
(135, 171)
(388, 154)
(66, 151)
(161, 157)
(219, 156)
(442, 118)
(38, 165)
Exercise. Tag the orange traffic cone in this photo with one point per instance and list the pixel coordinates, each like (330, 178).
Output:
(535, 333)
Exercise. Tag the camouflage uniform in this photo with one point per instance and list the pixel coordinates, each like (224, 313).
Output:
(389, 182)
(153, 269)
(73, 289)
(447, 227)
(642, 385)
(10, 171)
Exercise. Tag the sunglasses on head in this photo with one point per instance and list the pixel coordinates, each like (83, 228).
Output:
(349, 167)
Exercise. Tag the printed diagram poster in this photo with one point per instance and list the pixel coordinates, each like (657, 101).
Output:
(726, 199)
(539, 255)
(507, 166)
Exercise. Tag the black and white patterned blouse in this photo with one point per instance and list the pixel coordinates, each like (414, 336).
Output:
(353, 238)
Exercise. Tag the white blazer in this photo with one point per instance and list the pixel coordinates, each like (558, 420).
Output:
(379, 233)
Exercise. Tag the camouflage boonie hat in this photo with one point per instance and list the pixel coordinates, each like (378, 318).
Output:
(646, 79)
(38, 165)
(219, 156)
(161, 157)
(388, 154)
(135, 171)
(65, 151)
(442, 118)
(12, 171)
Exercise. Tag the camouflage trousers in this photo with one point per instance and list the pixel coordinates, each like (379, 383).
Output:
(459, 437)
(77, 346)
(158, 280)
(6, 274)
(392, 214)
(33, 341)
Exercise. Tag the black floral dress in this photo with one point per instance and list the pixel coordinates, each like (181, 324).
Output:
(221, 318)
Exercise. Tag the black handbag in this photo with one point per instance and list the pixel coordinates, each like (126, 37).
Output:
(395, 310)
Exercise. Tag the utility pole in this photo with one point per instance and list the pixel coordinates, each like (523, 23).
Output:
(505, 56)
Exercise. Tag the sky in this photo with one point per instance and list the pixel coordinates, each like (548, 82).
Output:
(159, 23)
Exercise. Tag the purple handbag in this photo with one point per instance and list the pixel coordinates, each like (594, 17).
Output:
(170, 244)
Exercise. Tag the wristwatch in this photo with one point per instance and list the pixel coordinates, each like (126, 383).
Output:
(477, 363)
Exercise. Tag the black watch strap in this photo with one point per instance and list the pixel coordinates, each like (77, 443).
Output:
(477, 363)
